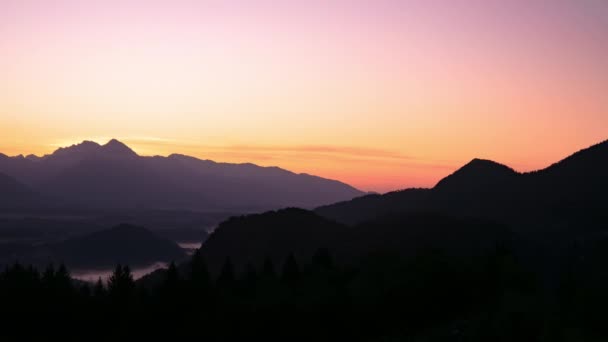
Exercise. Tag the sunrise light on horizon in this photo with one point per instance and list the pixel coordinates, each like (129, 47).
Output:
(382, 95)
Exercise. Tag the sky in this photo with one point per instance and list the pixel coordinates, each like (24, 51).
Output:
(380, 94)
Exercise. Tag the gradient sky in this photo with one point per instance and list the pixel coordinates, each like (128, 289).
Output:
(380, 94)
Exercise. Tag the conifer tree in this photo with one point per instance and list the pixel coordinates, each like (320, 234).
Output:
(63, 280)
(291, 270)
(121, 284)
(268, 271)
(199, 273)
(99, 291)
(322, 260)
(172, 280)
(226, 278)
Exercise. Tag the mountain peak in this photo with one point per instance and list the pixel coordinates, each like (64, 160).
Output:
(484, 163)
(89, 148)
(116, 147)
(32, 157)
(89, 143)
(477, 172)
(114, 141)
(84, 147)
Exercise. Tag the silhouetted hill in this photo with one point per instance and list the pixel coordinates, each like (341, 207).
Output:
(475, 175)
(114, 177)
(19, 233)
(274, 235)
(583, 172)
(565, 195)
(123, 244)
(592, 160)
(574, 188)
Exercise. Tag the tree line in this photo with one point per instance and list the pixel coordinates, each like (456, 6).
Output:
(382, 297)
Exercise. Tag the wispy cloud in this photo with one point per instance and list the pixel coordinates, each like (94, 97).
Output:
(367, 168)
(351, 151)
(163, 146)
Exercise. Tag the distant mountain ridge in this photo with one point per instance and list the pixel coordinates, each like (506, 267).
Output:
(564, 194)
(113, 177)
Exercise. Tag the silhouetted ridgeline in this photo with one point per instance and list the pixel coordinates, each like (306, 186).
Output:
(112, 177)
(562, 196)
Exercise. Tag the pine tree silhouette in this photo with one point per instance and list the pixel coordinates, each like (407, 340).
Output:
(268, 271)
(226, 278)
(48, 277)
(99, 290)
(172, 280)
(322, 260)
(63, 279)
(291, 270)
(121, 285)
(199, 273)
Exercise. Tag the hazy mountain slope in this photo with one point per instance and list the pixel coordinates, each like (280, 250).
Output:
(11, 187)
(15, 195)
(112, 176)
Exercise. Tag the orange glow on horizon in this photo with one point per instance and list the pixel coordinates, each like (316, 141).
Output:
(382, 95)
(348, 164)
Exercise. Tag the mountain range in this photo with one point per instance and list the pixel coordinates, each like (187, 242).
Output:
(469, 211)
(89, 176)
(567, 194)
(479, 206)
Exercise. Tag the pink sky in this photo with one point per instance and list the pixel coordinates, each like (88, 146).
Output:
(379, 94)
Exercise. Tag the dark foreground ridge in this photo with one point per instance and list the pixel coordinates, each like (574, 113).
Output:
(431, 295)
